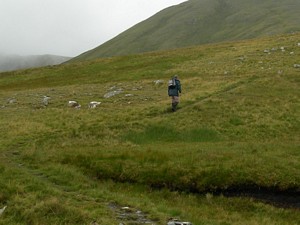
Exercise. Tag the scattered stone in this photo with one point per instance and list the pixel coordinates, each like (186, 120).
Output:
(296, 65)
(137, 88)
(2, 210)
(177, 222)
(280, 72)
(94, 223)
(292, 53)
(157, 82)
(267, 51)
(282, 49)
(93, 105)
(11, 100)
(298, 44)
(74, 104)
(128, 215)
(113, 93)
(46, 100)
(112, 88)
(126, 208)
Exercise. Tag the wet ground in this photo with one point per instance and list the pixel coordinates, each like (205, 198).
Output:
(281, 199)
(130, 216)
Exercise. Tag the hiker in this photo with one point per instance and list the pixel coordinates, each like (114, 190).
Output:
(174, 89)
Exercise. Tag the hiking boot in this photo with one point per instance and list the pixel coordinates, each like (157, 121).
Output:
(174, 105)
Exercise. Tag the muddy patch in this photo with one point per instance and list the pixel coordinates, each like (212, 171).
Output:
(130, 216)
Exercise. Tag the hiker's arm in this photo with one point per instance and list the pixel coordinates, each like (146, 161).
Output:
(179, 86)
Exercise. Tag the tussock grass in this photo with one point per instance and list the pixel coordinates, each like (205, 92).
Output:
(169, 134)
(237, 126)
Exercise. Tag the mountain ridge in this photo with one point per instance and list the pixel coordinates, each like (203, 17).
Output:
(197, 22)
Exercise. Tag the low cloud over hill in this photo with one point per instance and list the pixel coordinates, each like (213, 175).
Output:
(15, 62)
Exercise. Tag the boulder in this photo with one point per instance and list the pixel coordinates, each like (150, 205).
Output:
(157, 82)
(11, 100)
(46, 100)
(93, 105)
(113, 93)
(2, 210)
(74, 104)
(296, 65)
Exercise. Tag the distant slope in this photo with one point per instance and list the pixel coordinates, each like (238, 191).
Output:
(203, 21)
(15, 62)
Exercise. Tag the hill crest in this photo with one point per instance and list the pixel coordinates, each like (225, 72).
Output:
(197, 22)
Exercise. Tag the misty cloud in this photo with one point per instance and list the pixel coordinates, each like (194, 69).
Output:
(68, 27)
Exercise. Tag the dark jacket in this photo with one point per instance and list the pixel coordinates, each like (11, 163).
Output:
(176, 90)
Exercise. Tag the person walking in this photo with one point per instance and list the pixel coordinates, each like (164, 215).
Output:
(174, 89)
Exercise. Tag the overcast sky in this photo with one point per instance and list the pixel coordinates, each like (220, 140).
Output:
(68, 27)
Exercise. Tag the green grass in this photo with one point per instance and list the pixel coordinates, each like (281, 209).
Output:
(154, 134)
(237, 127)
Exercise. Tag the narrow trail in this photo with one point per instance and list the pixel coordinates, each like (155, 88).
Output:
(122, 214)
(228, 88)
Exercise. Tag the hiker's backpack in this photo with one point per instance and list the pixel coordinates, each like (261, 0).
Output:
(172, 83)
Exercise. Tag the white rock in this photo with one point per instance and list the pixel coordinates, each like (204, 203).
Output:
(2, 210)
(94, 104)
(299, 44)
(112, 93)
(176, 222)
(296, 65)
(156, 82)
(46, 100)
(11, 100)
(128, 95)
(74, 104)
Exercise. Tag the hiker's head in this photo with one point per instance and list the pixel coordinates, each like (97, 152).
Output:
(176, 76)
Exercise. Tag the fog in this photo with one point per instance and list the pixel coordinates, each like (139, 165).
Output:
(68, 27)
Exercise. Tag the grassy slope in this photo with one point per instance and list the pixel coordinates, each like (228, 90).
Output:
(238, 126)
(202, 21)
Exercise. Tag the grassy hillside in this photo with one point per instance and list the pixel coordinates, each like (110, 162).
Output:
(203, 21)
(237, 132)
